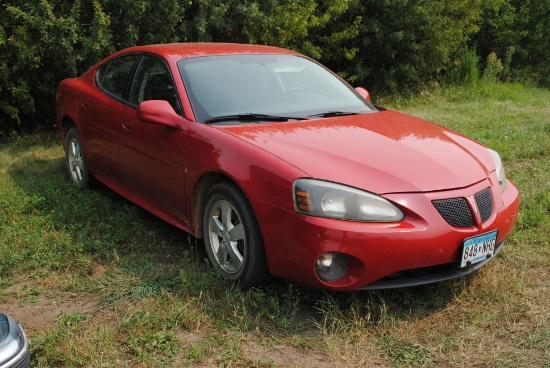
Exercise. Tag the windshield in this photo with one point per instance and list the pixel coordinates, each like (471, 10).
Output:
(288, 86)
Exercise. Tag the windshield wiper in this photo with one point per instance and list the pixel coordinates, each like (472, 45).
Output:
(330, 114)
(251, 118)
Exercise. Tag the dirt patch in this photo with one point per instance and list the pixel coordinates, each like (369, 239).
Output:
(34, 305)
(284, 356)
(45, 310)
(258, 355)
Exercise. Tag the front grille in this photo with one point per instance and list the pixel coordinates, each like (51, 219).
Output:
(484, 202)
(457, 213)
(23, 362)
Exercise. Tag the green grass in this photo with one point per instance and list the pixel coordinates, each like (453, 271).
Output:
(98, 282)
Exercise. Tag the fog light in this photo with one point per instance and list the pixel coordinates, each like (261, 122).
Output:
(331, 266)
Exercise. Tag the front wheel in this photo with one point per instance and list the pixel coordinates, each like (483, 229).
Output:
(232, 237)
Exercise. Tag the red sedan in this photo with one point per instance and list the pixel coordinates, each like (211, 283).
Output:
(283, 169)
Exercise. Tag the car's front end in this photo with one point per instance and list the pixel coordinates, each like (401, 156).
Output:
(438, 206)
(14, 346)
(426, 246)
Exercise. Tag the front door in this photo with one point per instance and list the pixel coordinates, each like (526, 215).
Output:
(154, 162)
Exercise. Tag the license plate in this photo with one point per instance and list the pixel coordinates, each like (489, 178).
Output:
(478, 248)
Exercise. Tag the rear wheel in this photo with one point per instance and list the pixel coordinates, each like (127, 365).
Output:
(232, 237)
(77, 166)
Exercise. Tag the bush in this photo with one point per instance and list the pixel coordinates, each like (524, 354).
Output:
(464, 68)
(518, 29)
(404, 45)
(44, 42)
(493, 68)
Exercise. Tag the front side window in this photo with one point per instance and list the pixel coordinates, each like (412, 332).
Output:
(153, 81)
(113, 77)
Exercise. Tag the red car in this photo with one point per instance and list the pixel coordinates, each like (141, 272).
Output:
(283, 169)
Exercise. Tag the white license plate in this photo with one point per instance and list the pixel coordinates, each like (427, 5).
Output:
(478, 248)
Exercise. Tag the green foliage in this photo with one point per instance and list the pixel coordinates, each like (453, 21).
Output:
(386, 46)
(464, 68)
(498, 31)
(43, 43)
(517, 31)
(533, 48)
(493, 68)
(405, 44)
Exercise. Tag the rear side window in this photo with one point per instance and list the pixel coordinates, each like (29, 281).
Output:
(113, 77)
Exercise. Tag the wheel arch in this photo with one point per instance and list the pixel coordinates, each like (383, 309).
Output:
(253, 269)
(67, 123)
(63, 125)
(201, 189)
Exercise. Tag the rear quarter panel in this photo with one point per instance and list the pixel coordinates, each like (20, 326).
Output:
(66, 97)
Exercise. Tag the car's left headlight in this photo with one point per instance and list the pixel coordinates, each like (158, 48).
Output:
(326, 199)
(501, 174)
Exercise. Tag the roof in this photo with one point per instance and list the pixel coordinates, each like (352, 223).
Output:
(183, 50)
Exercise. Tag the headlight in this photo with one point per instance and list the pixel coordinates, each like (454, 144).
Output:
(501, 175)
(326, 199)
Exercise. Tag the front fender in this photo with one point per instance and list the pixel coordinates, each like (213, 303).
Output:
(214, 154)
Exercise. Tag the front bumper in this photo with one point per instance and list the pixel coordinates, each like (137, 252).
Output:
(428, 275)
(421, 249)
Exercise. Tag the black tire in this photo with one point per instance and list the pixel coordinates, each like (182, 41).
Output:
(77, 165)
(232, 237)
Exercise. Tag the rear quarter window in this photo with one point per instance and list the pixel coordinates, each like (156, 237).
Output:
(113, 76)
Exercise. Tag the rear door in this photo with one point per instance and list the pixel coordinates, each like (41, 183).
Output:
(101, 125)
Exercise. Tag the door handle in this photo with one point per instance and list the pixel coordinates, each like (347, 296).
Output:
(126, 125)
(85, 103)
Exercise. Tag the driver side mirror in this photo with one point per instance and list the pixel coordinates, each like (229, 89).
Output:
(157, 112)
(364, 93)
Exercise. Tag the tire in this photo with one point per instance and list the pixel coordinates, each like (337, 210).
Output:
(232, 237)
(77, 165)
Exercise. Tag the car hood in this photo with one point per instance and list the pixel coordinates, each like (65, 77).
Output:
(383, 152)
